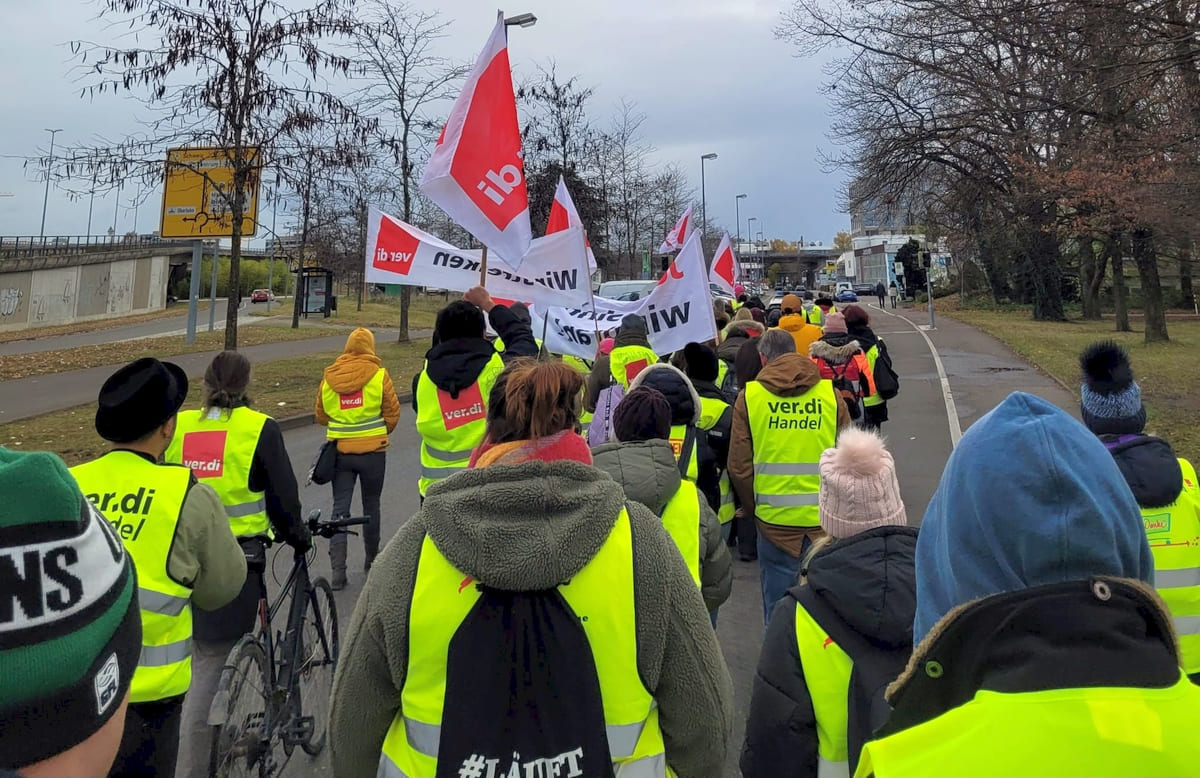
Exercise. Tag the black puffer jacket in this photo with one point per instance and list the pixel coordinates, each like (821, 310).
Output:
(685, 410)
(869, 581)
(1150, 466)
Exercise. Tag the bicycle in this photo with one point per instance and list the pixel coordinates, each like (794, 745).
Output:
(274, 689)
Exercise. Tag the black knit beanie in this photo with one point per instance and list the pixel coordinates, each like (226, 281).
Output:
(700, 362)
(643, 414)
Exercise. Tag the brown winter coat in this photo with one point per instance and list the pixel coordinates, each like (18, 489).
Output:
(790, 375)
(351, 372)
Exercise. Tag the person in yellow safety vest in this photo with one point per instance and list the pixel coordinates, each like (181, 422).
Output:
(176, 531)
(697, 462)
(67, 661)
(782, 422)
(357, 404)
(837, 638)
(1041, 648)
(701, 366)
(642, 462)
(583, 367)
(531, 566)
(612, 373)
(1163, 484)
(858, 327)
(820, 309)
(240, 453)
(450, 394)
(521, 311)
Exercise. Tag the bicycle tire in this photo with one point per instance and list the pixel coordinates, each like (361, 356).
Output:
(237, 749)
(318, 659)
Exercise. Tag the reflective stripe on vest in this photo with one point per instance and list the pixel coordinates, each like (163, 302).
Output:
(451, 427)
(728, 507)
(601, 594)
(142, 501)
(625, 362)
(1172, 532)
(789, 435)
(358, 414)
(678, 438)
(681, 520)
(218, 445)
(1123, 731)
(826, 669)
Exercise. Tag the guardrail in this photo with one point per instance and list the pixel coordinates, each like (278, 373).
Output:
(18, 247)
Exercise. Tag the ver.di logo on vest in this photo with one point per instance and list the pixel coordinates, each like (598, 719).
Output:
(812, 412)
(204, 453)
(460, 411)
(352, 401)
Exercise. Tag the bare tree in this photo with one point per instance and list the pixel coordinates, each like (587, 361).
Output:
(237, 75)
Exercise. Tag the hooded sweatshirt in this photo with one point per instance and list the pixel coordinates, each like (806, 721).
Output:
(868, 580)
(601, 373)
(530, 527)
(1029, 497)
(648, 473)
(351, 372)
(790, 375)
(1150, 467)
(802, 332)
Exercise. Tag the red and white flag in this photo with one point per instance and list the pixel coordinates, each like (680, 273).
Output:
(564, 216)
(679, 235)
(726, 271)
(476, 173)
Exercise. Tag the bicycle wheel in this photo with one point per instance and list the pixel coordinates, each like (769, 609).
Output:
(318, 659)
(242, 706)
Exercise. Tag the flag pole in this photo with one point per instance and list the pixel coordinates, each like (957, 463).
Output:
(483, 268)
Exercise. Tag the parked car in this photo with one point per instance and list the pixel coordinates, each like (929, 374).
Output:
(262, 296)
(625, 290)
(846, 296)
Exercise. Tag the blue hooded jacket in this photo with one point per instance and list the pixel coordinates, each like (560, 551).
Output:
(1030, 497)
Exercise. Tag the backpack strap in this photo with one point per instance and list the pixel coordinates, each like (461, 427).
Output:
(685, 454)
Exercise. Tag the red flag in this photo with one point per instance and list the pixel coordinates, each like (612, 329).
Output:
(563, 216)
(726, 271)
(679, 235)
(476, 173)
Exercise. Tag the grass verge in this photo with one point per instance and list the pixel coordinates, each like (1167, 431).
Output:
(381, 314)
(282, 388)
(37, 333)
(1167, 372)
(62, 360)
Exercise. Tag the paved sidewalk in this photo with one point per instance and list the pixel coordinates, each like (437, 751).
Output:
(27, 397)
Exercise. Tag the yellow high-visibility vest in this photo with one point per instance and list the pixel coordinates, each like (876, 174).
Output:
(1058, 732)
(143, 501)
(678, 438)
(790, 434)
(827, 671)
(625, 362)
(601, 594)
(451, 427)
(711, 410)
(357, 414)
(218, 446)
(681, 520)
(872, 357)
(1174, 535)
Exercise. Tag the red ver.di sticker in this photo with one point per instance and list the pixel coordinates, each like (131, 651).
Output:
(460, 411)
(204, 453)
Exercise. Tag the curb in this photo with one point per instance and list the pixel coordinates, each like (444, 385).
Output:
(309, 419)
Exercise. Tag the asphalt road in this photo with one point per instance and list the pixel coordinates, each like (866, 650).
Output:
(979, 371)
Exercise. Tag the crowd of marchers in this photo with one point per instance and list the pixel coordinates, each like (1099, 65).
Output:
(551, 607)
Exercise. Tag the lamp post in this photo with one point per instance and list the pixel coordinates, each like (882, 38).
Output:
(91, 204)
(703, 199)
(49, 167)
(116, 211)
(520, 20)
(737, 217)
(274, 242)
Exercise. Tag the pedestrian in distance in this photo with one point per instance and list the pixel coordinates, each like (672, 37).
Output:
(858, 327)
(842, 360)
(794, 322)
(357, 404)
(66, 669)
(530, 620)
(1037, 627)
(612, 374)
(1163, 484)
(839, 637)
(893, 293)
(782, 422)
(821, 308)
(177, 532)
(240, 453)
(880, 293)
(642, 462)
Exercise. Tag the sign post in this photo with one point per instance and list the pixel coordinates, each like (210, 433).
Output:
(194, 291)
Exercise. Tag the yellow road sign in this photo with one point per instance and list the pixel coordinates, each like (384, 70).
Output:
(194, 199)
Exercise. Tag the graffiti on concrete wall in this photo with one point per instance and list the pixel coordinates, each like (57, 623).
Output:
(10, 301)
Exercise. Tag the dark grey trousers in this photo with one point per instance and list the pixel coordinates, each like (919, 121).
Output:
(368, 470)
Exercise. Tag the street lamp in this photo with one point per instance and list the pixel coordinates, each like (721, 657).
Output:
(49, 166)
(737, 218)
(703, 200)
(521, 20)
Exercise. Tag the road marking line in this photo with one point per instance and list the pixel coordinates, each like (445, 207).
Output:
(947, 395)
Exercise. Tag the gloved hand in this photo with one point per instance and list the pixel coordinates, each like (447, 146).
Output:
(300, 539)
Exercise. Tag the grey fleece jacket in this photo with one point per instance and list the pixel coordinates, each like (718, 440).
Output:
(648, 473)
(528, 527)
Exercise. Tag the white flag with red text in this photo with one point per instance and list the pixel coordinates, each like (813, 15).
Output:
(554, 272)
(677, 311)
(678, 234)
(563, 215)
(476, 173)
(726, 270)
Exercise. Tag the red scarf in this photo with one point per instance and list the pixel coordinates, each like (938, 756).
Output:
(563, 445)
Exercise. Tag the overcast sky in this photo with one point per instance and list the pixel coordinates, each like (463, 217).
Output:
(709, 75)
